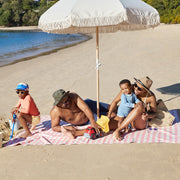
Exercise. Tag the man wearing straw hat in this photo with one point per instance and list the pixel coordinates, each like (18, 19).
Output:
(144, 110)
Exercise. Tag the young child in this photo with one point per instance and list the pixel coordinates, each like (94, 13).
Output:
(128, 101)
(26, 110)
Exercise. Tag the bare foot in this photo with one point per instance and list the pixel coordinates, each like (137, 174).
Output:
(127, 130)
(117, 135)
(26, 134)
(67, 132)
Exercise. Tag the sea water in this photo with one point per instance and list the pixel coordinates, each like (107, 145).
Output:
(17, 45)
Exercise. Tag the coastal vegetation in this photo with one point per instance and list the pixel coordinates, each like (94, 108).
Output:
(22, 12)
(27, 12)
(169, 10)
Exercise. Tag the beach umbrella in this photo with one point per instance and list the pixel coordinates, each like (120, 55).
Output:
(98, 16)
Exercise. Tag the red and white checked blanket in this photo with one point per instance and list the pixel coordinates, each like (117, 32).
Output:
(45, 135)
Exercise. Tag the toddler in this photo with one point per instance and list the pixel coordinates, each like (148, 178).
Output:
(128, 101)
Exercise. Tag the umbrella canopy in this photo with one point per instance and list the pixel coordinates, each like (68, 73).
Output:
(83, 16)
(88, 16)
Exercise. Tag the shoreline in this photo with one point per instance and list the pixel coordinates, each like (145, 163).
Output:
(35, 29)
(20, 28)
(47, 52)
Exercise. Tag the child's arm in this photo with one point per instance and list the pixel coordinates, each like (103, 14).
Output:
(16, 108)
(125, 102)
(136, 99)
(114, 104)
(14, 111)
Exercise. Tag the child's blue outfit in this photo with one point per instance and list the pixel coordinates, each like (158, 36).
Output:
(127, 103)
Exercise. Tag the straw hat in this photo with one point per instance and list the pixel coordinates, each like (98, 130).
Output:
(146, 82)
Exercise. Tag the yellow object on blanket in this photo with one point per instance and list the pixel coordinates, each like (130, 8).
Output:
(104, 123)
(35, 120)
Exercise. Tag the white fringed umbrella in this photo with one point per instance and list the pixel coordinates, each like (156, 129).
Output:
(100, 16)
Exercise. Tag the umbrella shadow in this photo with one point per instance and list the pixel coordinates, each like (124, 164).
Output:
(16, 141)
(46, 125)
(172, 90)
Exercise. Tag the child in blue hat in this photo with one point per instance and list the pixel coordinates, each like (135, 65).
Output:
(26, 109)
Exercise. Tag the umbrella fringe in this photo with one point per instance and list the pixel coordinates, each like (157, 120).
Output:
(113, 24)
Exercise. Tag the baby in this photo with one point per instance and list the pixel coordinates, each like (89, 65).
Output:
(26, 110)
(128, 101)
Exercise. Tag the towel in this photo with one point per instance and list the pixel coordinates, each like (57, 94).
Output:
(43, 135)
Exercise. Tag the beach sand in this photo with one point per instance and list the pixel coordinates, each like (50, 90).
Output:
(20, 28)
(152, 52)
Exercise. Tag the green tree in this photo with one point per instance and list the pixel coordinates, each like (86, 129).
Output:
(30, 18)
(5, 14)
(17, 11)
(5, 18)
(22, 12)
(27, 4)
(168, 9)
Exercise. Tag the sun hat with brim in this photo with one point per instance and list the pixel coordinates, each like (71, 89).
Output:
(146, 82)
(22, 87)
(59, 95)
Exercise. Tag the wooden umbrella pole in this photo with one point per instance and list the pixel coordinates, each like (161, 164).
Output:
(97, 69)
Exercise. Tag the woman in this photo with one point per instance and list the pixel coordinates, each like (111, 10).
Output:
(144, 110)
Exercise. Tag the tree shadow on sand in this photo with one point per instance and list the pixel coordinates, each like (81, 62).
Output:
(172, 90)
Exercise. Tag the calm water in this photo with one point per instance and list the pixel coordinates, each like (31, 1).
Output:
(22, 44)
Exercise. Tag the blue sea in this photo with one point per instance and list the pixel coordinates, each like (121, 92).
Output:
(17, 45)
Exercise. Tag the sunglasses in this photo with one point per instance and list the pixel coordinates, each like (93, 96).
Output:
(135, 85)
(20, 92)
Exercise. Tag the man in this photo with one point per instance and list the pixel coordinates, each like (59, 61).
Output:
(70, 108)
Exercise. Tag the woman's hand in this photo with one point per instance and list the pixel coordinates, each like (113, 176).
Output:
(144, 116)
(112, 115)
(109, 115)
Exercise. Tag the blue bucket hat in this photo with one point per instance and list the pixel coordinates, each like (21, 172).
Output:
(23, 87)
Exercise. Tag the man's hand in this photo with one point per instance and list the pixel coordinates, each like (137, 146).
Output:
(96, 127)
(69, 131)
(70, 128)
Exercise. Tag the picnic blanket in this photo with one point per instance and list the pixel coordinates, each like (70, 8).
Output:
(43, 135)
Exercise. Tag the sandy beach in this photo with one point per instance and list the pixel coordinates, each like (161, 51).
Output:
(20, 28)
(152, 52)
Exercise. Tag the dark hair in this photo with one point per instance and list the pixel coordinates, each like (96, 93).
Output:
(125, 81)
